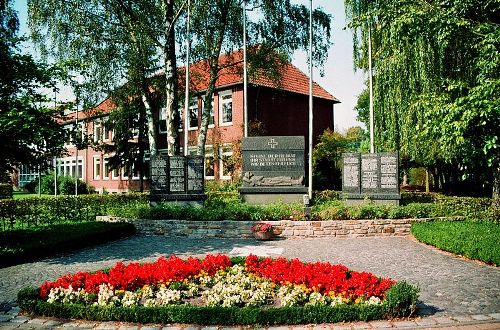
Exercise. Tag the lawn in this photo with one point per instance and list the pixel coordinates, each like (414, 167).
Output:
(472, 239)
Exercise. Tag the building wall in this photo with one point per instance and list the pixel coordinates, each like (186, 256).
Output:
(282, 113)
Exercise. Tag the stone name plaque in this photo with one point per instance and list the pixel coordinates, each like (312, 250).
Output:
(371, 175)
(159, 175)
(351, 173)
(195, 174)
(270, 161)
(177, 174)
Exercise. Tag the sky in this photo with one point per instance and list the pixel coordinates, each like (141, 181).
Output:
(340, 79)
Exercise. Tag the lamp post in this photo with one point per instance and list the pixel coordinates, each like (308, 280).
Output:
(370, 76)
(55, 157)
(310, 101)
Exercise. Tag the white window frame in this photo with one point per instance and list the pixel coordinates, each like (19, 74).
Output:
(223, 95)
(98, 126)
(222, 153)
(116, 171)
(105, 168)
(162, 117)
(212, 113)
(106, 130)
(209, 152)
(97, 162)
(68, 166)
(193, 104)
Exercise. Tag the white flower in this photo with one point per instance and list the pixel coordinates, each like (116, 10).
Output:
(374, 301)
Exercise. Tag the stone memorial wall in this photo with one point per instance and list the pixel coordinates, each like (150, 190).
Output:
(375, 176)
(177, 178)
(273, 166)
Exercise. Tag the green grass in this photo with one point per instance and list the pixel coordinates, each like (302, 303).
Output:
(474, 240)
(23, 194)
(21, 245)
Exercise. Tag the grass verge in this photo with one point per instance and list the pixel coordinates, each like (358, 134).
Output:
(21, 245)
(475, 240)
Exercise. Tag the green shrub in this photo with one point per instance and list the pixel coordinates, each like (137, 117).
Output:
(400, 302)
(6, 191)
(21, 245)
(416, 197)
(222, 193)
(475, 240)
(326, 196)
(29, 212)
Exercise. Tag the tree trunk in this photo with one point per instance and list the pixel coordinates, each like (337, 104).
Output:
(153, 149)
(496, 183)
(205, 118)
(171, 104)
(427, 180)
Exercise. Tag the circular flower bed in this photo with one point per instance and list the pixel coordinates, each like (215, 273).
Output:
(217, 282)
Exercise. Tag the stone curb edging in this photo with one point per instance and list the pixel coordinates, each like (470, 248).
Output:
(13, 320)
(290, 229)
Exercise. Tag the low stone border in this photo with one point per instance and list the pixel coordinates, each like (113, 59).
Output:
(291, 229)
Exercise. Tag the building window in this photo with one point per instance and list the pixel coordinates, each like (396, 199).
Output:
(226, 108)
(209, 163)
(225, 153)
(97, 167)
(107, 131)
(27, 174)
(115, 173)
(193, 115)
(211, 119)
(70, 167)
(105, 169)
(162, 121)
(97, 131)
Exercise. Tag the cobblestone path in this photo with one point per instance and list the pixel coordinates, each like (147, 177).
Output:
(449, 285)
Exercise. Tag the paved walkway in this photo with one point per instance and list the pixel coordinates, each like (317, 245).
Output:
(450, 287)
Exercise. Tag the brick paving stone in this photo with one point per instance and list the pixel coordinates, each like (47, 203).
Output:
(380, 324)
(404, 324)
(20, 319)
(5, 318)
(495, 315)
(443, 320)
(9, 326)
(361, 325)
(321, 327)
(341, 327)
(37, 321)
(53, 323)
(128, 327)
(462, 318)
(226, 328)
(70, 324)
(150, 328)
(191, 328)
(279, 328)
(481, 317)
(90, 325)
(426, 322)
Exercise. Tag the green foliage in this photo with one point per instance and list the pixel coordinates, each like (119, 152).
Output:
(28, 130)
(222, 193)
(436, 84)
(327, 156)
(473, 239)
(237, 211)
(65, 185)
(20, 245)
(6, 191)
(32, 212)
(400, 302)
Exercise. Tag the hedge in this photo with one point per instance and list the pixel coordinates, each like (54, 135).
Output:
(32, 212)
(475, 240)
(5, 191)
(17, 246)
(401, 301)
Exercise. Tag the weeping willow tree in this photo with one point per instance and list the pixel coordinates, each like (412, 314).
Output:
(436, 83)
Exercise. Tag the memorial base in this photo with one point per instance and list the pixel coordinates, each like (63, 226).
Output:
(183, 199)
(385, 199)
(267, 195)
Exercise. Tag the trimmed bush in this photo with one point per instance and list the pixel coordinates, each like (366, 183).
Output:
(31, 212)
(475, 240)
(401, 301)
(21, 245)
(6, 191)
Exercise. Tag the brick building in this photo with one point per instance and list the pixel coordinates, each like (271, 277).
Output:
(276, 108)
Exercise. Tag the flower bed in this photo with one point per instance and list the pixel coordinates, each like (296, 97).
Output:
(218, 290)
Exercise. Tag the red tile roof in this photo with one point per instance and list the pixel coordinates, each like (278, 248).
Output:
(292, 79)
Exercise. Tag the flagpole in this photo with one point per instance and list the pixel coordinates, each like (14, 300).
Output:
(370, 75)
(245, 78)
(186, 100)
(310, 101)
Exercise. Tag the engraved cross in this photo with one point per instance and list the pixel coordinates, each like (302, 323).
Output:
(272, 143)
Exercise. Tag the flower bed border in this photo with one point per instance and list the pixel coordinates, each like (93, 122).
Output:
(400, 302)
